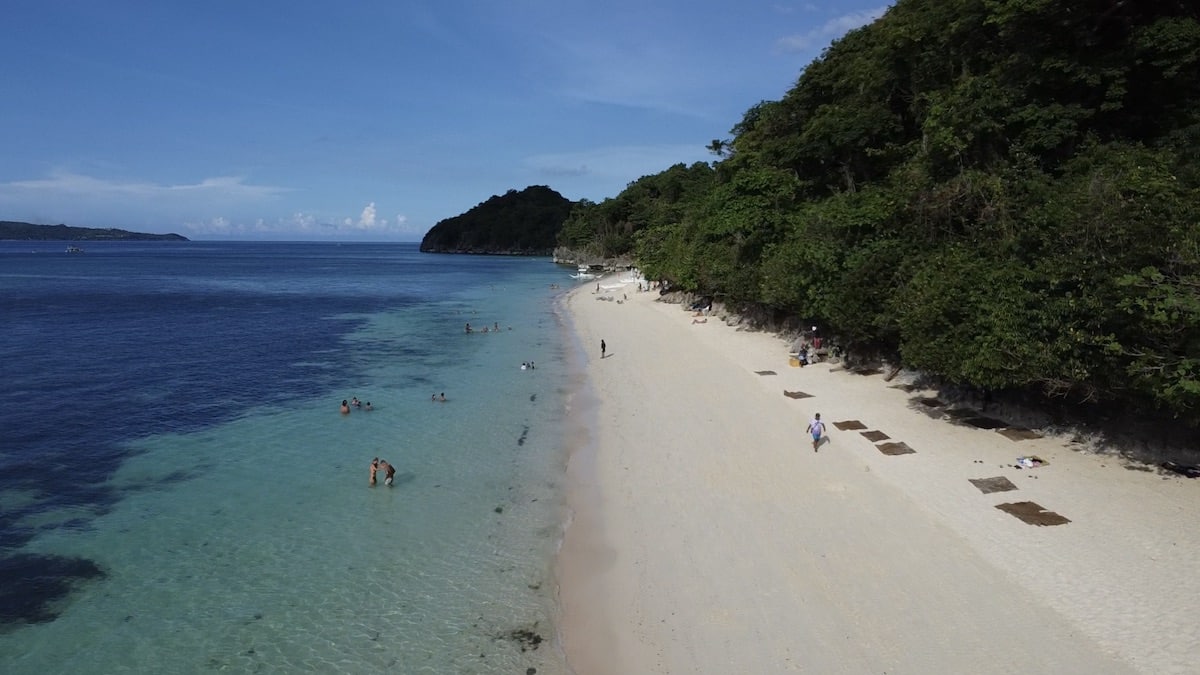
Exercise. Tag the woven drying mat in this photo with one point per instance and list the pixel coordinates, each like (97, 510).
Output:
(765, 372)
(990, 485)
(850, 425)
(875, 436)
(1033, 514)
(895, 449)
(1018, 433)
(796, 394)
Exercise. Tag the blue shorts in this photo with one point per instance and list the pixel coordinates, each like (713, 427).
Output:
(816, 435)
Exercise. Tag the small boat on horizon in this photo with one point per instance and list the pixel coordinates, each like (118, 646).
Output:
(74, 249)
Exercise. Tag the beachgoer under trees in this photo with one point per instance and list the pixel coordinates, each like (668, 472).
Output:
(817, 428)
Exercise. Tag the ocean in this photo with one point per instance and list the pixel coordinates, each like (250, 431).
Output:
(180, 493)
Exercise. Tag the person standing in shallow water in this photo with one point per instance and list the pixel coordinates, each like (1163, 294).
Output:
(374, 468)
(389, 472)
(603, 348)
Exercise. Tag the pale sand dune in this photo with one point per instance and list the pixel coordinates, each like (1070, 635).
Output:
(708, 537)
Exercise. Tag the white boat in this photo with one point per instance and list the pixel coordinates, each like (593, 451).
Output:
(74, 249)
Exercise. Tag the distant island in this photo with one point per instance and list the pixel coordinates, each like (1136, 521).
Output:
(16, 231)
(515, 223)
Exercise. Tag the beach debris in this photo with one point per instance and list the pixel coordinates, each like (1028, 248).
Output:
(896, 448)
(875, 436)
(765, 372)
(796, 394)
(850, 425)
(994, 484)
(1033, 513)
(1030, 462)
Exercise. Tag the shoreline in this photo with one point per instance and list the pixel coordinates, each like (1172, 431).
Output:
(706, 536)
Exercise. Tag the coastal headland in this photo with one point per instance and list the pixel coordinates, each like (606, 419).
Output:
(707, 536)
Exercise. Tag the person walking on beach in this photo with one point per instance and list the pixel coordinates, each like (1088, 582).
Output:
(817, 429)
(603, 347)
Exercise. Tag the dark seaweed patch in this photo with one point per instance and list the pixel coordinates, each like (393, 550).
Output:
(35, 586)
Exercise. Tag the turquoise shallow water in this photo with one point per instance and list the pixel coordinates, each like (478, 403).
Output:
(253, 543)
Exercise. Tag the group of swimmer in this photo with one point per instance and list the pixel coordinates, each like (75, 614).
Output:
(388, 470)
(355, 403)
(494, 329)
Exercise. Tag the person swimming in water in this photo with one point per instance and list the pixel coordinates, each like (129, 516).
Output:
(345, 407)
(374, 468)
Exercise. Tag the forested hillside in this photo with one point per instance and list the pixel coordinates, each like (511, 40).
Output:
(520, 223)
(15, 230)
(1003, 193)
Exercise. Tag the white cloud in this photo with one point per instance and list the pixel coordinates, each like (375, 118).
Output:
(367, 220)
(820, 37)
(76, 185)
(302, 225)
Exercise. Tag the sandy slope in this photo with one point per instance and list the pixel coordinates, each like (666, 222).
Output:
(708, 537)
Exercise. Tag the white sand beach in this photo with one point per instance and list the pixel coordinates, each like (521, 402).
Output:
(709, 537)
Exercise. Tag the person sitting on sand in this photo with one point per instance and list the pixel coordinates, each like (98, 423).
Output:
(374, 468)
(704, 320)
(345, 407)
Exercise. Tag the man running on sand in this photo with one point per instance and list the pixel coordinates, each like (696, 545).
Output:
(816, 428)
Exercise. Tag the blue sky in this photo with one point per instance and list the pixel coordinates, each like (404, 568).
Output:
(364, 120)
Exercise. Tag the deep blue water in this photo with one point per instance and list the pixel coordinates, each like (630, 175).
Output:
(130, 340)
(131, 348)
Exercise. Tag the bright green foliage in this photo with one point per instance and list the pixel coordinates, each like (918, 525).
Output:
(1005, 193)
(524, 222)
